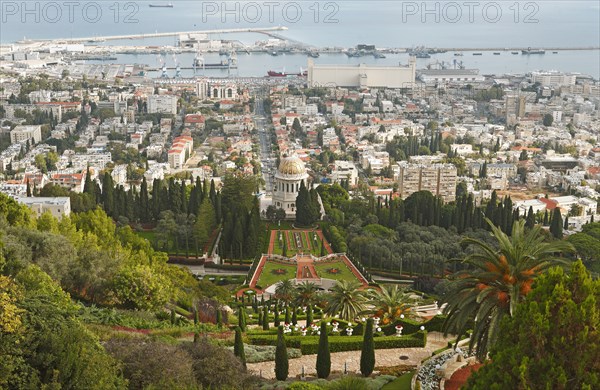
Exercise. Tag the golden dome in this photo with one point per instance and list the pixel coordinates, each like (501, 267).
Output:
(292, 166)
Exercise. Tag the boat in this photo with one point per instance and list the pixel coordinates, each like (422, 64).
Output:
(273, 73)
(169, 5)
(514, 52)
(554, 52)
(458, 54)
(313, 54)
(496, 53)
(274, 53)
(378, 55)
(422, 55)
(224, 64)
(533, 51)
(477, 54)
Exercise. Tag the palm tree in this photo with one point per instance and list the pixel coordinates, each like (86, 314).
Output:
(497, 280)
(305, 294)
(346, 300)
(389, 303)
(285, 291)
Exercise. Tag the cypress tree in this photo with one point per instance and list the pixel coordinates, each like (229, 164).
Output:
(287, 315)
(260, 317)
(556, 226)
(545, 218)
(367, 355)
(242, 318)
(265, 323)
(323, 355)
(309, 315)
(28, 189)
(219, 318)
(566, 225)
(238, 346)
(276, 316)
(281, 357)
(294, 316)
(530, 221)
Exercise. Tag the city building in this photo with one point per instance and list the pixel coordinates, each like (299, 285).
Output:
(439, 179)
(216, 90)
(290, 174)
(58, 207)
(180, 151)
(361, 76)
(431, 76)
(162, 104)
(553, 78)
(23, 133)
(344, 170)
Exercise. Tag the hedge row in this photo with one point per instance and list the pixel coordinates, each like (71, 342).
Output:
(335, 238)
(411, 326)
(310, 344)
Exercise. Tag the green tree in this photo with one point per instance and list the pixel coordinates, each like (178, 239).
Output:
(389, 303)
(553, 339)
(556, 225)
(304, 206)
(285, 291)
(497, 280)
(140, 287)
(346, 300)
(219, 319)
(323, 354)
(276, 315)
(309, 315)
(238, 346)
(281, 357)
(367, 355)
(242, 318)
(265, 323)
(548, 120)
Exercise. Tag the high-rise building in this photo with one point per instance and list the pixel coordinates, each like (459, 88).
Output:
(439, 179)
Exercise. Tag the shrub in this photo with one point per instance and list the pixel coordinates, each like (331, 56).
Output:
(367, 356)
(309, 345)
(281, 357)
(349, 383)
(215, 367)
(303, 386)
(151, 364)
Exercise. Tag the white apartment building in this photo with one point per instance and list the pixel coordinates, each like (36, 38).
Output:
(23, 133)
(58, 207)
(162, 104)
(344, 170)
(553, 78)
(439, 179)
(180, 150)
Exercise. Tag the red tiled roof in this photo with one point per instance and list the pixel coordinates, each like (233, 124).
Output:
(550, 204)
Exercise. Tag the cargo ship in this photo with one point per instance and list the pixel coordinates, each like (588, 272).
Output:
(533, 51)
(224, 64)
(170, 5)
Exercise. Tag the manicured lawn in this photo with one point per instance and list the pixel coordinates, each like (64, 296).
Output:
(278, 247)
(402, 383)
(315, 246)
(268, 277)
(344, 273)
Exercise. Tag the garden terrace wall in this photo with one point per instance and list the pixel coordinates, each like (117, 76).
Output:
(310, 344)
